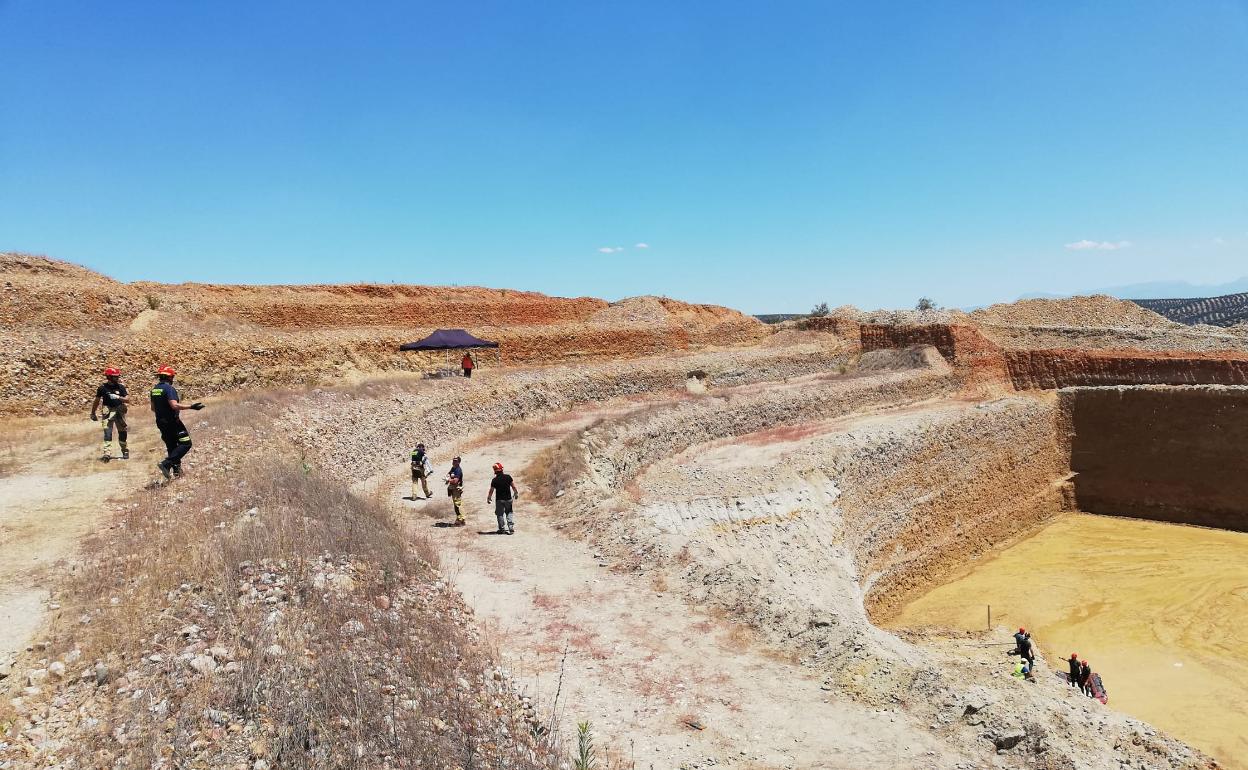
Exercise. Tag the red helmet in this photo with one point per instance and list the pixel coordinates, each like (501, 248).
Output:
(1022, 630)
(167, 371)
(1074, 656)
(112, 371)
(498, 467)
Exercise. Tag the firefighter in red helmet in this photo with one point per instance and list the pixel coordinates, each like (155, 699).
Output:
(113, 397)
(167, 409)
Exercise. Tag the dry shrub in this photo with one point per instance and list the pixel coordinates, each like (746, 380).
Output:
(8, 458)
(559, 466)
(326, 678)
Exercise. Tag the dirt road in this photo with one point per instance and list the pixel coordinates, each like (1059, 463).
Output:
(53, 493)
(664, 684)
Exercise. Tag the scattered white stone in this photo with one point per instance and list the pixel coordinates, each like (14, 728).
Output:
(204, 664)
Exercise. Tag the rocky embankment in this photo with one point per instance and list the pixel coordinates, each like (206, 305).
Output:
(62, 322)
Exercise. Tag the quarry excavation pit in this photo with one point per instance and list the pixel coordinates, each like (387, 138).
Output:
(815, 526)
(782, 514)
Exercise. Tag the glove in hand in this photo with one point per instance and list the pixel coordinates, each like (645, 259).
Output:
(197, 405)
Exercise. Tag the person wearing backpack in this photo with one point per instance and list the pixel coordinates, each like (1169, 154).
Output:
(422, 469)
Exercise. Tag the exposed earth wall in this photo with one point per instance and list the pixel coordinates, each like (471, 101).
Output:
(1167, 453)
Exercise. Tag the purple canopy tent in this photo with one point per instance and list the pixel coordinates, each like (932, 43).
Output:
(448, 340)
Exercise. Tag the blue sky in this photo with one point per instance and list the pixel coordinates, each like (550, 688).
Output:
(771, 154)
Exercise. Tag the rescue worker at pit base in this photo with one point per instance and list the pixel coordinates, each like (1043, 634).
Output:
(167, 408)
(1073, 663)
(1022, 670)
(467, 364)
(455, 490)
(1085, 678)
(507, 493)
(422, 469)
(115, 400)
(1024, 647)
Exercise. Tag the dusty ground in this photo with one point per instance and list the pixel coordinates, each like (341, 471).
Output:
(53, 492)
(665, 685)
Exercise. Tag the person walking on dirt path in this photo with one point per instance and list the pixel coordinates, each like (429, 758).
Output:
(167, 408)
(1073, 662)
(115, 400)
(503, 506)
(468, 364)
(422, 469)
(455, 490)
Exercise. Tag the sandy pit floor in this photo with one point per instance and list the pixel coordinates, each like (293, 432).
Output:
(1159, 610)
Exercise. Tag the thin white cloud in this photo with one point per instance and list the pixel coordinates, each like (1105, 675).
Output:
(1086, 245)
(641, 246)
(1219, 241)
(610, 249)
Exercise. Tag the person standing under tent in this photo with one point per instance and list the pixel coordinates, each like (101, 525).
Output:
(468, 364)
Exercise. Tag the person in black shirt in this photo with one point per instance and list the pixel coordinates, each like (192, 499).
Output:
(507, 493)
(1085, 678)
(1073, 662)
(113, 396)
(166, 407)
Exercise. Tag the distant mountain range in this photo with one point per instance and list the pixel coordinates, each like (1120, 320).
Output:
(1158, 290)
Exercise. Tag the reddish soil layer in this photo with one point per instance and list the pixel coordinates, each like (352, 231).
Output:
(63, 324)
(1043, 369)
(979, 359)
(1171, 454)
(974, 356)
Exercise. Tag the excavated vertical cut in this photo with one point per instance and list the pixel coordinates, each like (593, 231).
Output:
(1174, 454)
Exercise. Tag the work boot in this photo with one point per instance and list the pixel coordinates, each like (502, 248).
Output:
(125, 452)
(460, 523)
(177, 471)
(511, 532)
(164, 471)
(105, 458)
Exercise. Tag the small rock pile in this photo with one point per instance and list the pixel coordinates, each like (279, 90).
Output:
(1097, 311)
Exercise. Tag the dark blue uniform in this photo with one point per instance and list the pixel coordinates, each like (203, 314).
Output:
(172, 431)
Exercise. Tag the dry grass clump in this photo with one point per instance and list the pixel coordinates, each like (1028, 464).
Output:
(276, 616)
(8, 458)
(557, 467)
